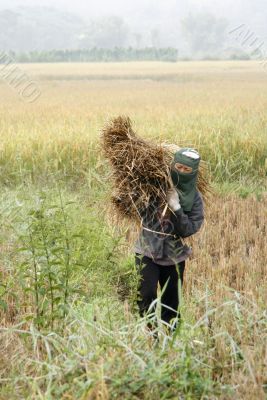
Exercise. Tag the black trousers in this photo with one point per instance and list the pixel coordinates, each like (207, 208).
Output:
(152, 273)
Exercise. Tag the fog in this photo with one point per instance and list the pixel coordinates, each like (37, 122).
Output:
(72, 24)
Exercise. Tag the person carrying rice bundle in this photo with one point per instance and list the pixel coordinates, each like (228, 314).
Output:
(158, 189)
(159, 252)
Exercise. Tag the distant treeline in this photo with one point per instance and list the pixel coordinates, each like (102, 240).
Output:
(98, 54)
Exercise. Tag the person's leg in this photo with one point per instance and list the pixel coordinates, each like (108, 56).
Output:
(149, 276)
(170, 297)
(181, 268)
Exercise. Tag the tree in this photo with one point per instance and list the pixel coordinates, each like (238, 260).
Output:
(155, 37)
(138, 38)
(204, 32)
(105, 32)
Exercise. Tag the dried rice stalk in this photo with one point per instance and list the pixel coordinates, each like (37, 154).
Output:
(140, 169)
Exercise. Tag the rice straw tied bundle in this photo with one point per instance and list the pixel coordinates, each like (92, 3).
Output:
(140, 169)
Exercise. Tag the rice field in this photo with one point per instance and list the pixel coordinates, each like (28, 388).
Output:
(69, 326)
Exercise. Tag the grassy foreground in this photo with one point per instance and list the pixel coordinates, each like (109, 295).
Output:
(69, 326)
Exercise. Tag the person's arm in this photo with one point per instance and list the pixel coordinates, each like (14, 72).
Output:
(186, 224)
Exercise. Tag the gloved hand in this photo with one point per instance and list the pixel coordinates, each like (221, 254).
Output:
(173, 199)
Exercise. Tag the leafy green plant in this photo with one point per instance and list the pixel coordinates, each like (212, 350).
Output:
(48, 259)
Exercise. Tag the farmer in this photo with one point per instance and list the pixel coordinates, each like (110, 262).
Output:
(160, 252)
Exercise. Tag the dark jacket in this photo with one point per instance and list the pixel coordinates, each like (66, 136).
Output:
(160, 238)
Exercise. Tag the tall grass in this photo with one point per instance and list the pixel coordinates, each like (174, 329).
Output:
(100, 347)
(222, 114)
(233, 152)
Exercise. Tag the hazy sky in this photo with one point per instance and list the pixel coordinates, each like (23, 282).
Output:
(238, 9)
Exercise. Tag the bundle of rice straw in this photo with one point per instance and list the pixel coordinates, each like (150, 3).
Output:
(140, 169)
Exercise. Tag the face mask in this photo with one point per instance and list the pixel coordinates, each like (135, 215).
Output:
(186, 183)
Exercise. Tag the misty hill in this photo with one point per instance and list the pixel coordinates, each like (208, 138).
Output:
(25, 29)
(38, 28)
